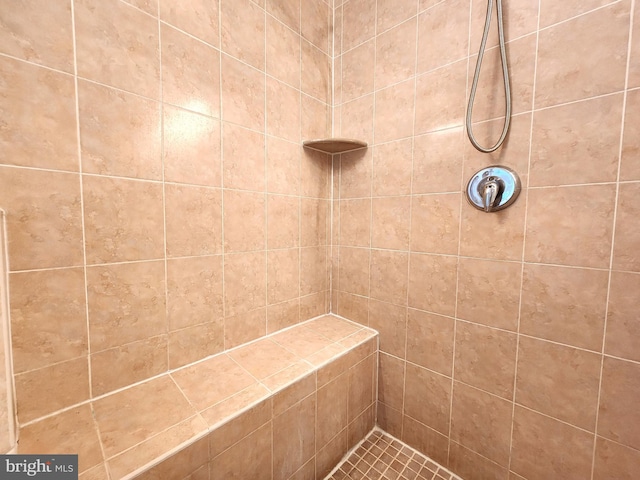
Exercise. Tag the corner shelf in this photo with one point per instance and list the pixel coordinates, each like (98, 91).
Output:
(334, 145)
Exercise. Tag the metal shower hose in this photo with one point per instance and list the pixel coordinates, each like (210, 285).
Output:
(476, 76)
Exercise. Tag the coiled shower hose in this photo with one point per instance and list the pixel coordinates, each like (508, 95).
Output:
(476, 77)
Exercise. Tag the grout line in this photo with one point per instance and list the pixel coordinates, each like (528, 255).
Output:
(613, 231)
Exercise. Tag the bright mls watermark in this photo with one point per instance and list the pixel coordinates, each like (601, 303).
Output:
(49, 467)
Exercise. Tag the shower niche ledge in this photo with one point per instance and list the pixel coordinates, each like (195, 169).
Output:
(335, 145)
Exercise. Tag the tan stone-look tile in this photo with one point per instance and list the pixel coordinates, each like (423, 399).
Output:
(625, 252)
(245, 282)
(283, 52)
(282, 221)
(634, 70)
(126, 54)
(287, 11)
(489, 292)
(430, 341)
(437, 162)
(520, 18)
(196, 17)
(485, 358)
(211, 381)
(263, 358)
(303, 341)
(435, 223)
(62, 385)
(440, 98)
(558, 381)
(123, 220)
(551, 13)
(315, 73)
(44, 218)
(313, 270)
(39, 32)
(315, 27)
(229, 433)
(481, 422)
(426, 440)
(133, 415)
(245, 327)
(428, 398)
(182, 463)
(99, 472)
(294, 437)
(195, 343)
(283, 166)
(358, 67)
(149, 6)
(577, 143)
(359, 23)
(468, 464)
(392, 12)
(514, 152)
(629, 165)
(496, 236)
(193, 217)
(353, 307)
(314, 304)
(566, 74)
(357, 119)
(613, 460)
(565, 305)
(244, 221)
(291, 385)
(396, 54)
(390, 222)
(490, 99)
(354, 270)
(392, 168)
(389, 276)
(586, 214)
(194, 291)
(392, 120)
(315, 174)
(391, 322)
(432, 283)
(362, 388)
(251, 457)
(316, 118)
(283, 110)
(190, 73)
(544, 448)
(283, 275)
(191, 148)
(243, 158)
(332, 406)
(389, 419)
(391, 381)
(243, 27)
(283, 315)
(440, 41)
(39, 120)
(620, 388)
(622, 326)
(243, 94)
(356, 170)
(314, 222)
(71, 432)
(48, 317)
(120, 133)
(221, 415)
(355, 222)
(127, 364)
(331, 454)
(126, 303)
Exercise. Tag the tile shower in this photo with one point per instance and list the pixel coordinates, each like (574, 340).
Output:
(151, 157)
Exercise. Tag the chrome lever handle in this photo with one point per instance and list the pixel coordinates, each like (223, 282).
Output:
(490, 194)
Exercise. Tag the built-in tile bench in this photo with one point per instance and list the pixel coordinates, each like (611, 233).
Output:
(288, 406)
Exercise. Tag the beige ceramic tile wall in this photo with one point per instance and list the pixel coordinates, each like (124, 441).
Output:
(160, 206)
(509, 342)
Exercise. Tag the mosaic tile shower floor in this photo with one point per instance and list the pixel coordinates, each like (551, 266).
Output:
(383, 457)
